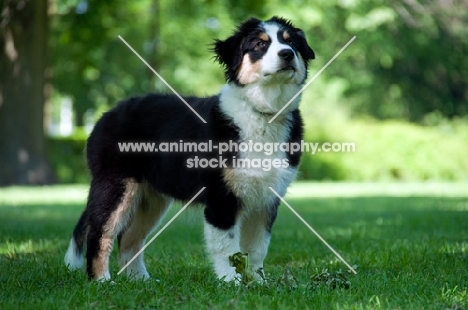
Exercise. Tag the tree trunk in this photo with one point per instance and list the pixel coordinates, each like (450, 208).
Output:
(23, 44)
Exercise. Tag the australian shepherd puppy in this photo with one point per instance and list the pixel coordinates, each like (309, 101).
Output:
(265, 67)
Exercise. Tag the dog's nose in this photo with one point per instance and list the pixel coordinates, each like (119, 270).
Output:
(286, 54)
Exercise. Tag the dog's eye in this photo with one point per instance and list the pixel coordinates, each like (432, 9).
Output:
(290, 41)
(261, 43)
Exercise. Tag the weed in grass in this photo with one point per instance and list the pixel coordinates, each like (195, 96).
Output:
(241, 263)
(332, 280)
(287, 280)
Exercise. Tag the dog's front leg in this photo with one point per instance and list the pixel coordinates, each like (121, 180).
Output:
(220, 244)
(255, 238)
(222, 231)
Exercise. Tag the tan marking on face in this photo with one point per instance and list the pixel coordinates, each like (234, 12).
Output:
(116, 222)
(248, 72)
(286, 35)
(264, 37)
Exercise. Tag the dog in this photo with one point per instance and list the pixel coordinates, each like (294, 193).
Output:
(265, 65)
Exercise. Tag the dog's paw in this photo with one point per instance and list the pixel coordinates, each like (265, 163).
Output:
(105, 277)
(138, 276)
(259, 276)
(230, 275)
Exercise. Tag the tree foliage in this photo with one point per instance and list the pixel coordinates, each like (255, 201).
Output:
(407, 62)
(412, 60)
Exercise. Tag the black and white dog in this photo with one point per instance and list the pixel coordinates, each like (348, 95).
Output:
(265, 66)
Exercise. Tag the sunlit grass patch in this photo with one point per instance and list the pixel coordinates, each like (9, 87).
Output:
(411, 251)
(20, 195)
(12, 249)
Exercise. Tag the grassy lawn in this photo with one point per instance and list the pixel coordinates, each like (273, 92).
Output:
(409, 241)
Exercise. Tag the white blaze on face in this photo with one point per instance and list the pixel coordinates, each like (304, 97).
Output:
(267, 83)
(271, 62)
(269, 67)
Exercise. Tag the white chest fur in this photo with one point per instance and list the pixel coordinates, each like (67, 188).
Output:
(249, 181)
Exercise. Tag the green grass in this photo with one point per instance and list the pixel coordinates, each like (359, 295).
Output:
(409, 241)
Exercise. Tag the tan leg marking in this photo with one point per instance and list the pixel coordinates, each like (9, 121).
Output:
(146, 217)
(116, 222)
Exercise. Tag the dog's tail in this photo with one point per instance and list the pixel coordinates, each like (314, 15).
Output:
(74, 257)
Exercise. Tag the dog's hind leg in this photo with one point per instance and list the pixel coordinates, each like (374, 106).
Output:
(146, 217)
(110, 205)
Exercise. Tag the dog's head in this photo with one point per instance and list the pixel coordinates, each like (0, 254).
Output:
(271, 51)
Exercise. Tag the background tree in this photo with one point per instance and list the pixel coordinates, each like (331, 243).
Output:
(23, 47)
(408, 61)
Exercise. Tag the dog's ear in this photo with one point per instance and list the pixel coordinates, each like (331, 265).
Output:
(229, 52)
(306, 51)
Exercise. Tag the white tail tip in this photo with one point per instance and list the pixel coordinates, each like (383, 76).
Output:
(73, 260)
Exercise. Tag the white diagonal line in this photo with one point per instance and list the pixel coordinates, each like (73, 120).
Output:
(311, 80)
(163, 80)
(313, 230)
(161, 230)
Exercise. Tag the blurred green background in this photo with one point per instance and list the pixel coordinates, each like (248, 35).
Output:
(399, 91)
